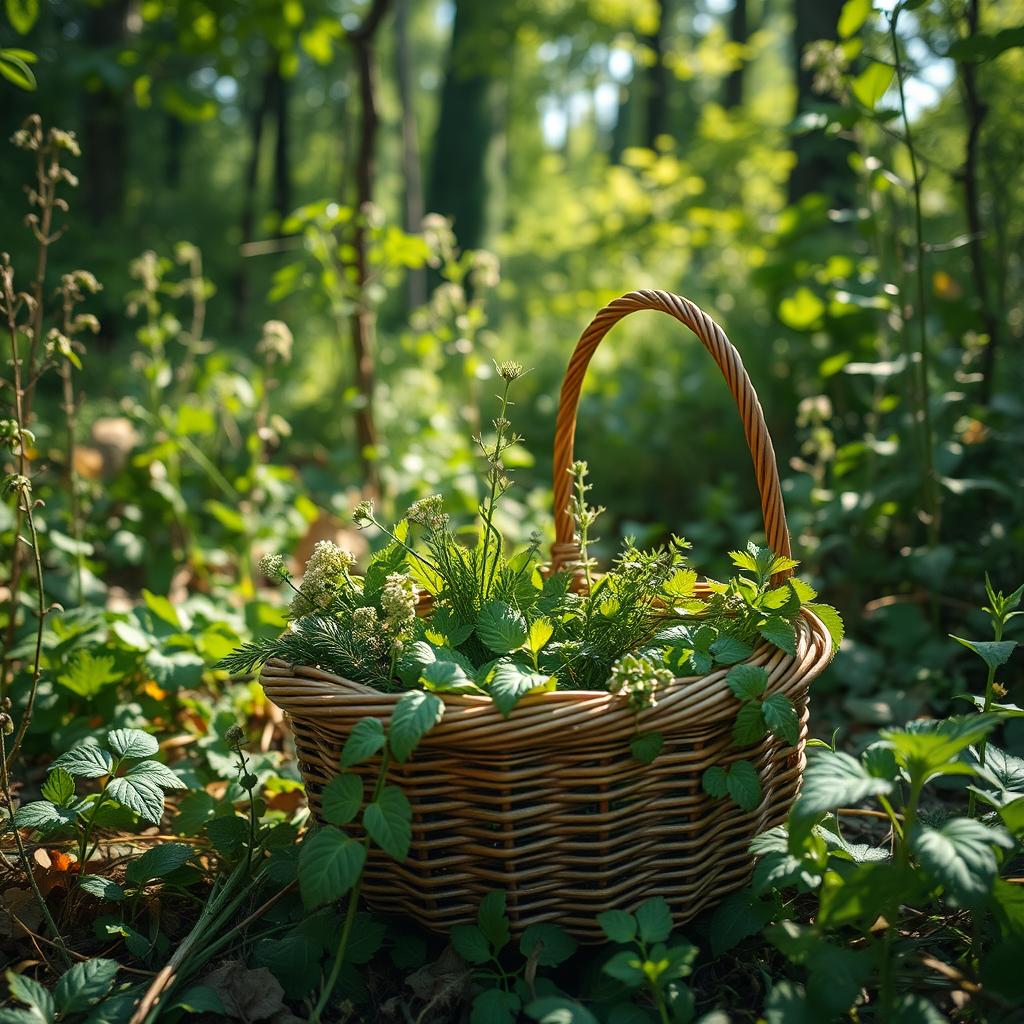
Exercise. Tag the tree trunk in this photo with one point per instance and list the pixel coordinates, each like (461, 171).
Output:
(739, 32)
(413, 211)
(465, 130)
(362, 320)
(104, 135)
(821, 162)
(240, 282)
(282, 156)
(657, 80)
(976, 110)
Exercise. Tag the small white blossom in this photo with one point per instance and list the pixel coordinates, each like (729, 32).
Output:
(428, 512)
(398, 602)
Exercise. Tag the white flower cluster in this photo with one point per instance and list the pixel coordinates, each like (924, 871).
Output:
(325, 573)
(272, 566)
(637, 678)
(428, 512)
(398, 602)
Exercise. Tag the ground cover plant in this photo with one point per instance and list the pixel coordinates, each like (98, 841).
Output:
(301, 397)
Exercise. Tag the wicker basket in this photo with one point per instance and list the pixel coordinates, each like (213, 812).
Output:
(548, 805)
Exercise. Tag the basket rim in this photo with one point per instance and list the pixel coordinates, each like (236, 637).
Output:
(311, 694)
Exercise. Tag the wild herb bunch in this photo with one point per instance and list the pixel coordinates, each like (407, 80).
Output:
(495, 622)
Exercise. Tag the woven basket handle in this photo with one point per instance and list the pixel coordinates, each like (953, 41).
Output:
(565, 550)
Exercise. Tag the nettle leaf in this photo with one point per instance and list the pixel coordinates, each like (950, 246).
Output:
(617, 925)
(59, 787)
(993, 652)
(341, 799)
(87, 674)
(932, 747)
(146, 799)
(645, 747)
(157, 862)
(86, 761)
(102, 888)
(330, 862)
(447, 677)
(43, 816)
(862, 896)
(28, 991)
(154, 773)
(470, 943)
(410, 662)
(780, 716)
(548, 944)
(832, 621)
(510, 682)
(747, 681)
(541, 631)
(501, 627)
(681, 584)
(834, 779)
(653, 920)
(960, 856)
(727, 650)
(364, 742)
(749, 727)
(85, 984)
(492, 919)
(780, 633)
(415, 714)
(389, 822)
(739, 781)
(133, 743)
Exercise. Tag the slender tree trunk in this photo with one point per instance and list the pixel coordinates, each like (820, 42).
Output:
(104, 136)
(413, 210)
(240, 283)
(821, 162)
(657, 80)
(465, 129)
(739, 32)
(282, 155)
(362, 321)
(976, 111)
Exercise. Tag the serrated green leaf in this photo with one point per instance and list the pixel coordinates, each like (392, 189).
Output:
(85, 984)
(738, 916)
(495, 1006)
(341, 799)
(780, 633)
(415, 714)
(744, 785)
(931, 748)
(541, 631)
(154, 773)
(330, 862)
(626, 967)
(43, 816)
(993, 653)
(364, 742)
(86, 761)
(548, 944)
(388, 820)
(87, 674)
(727, 650)
(747, 681)
(157, 862)
(835, 779)
(780, 716)
(617, 925)
(144, 798)
(832, 621)
(960, 856)
(646, 747)
(501, 627)
(133, 743)
(28, 991)
(470, 943)
(446, 677)
(653, 920)
(715, 782)
(228, 835)
(510, 682)
(102, 888)
(59, 787)
(492, 919)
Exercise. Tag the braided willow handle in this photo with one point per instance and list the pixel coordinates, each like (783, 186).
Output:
(565, 550)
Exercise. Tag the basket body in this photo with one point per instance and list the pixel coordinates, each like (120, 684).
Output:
(550, 806)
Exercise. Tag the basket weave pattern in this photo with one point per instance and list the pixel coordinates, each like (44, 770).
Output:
(549, 805)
